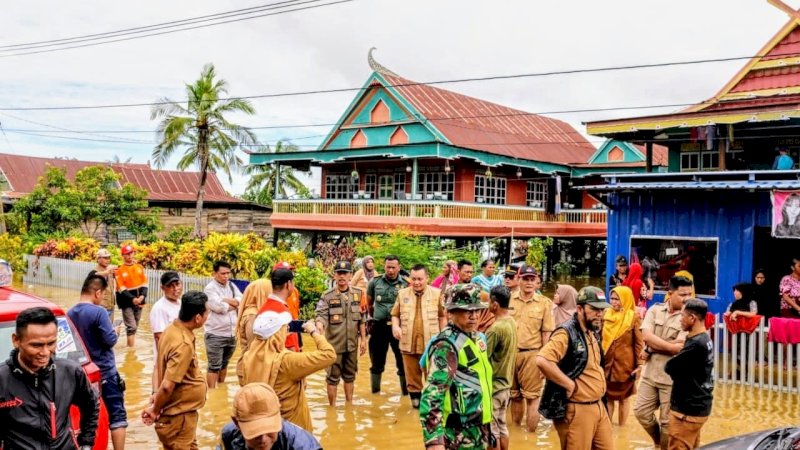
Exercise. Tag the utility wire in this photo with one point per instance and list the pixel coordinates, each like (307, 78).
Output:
(477, 116)
(156, 26)
(407, 83)
(61, 130)
(92, 44)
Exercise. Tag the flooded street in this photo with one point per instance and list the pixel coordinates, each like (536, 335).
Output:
(387, 420)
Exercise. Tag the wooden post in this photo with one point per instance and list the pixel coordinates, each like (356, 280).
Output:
(649, 156)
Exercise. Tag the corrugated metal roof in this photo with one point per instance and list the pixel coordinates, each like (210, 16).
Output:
(753, 185)
(481, 125)
(23, 173)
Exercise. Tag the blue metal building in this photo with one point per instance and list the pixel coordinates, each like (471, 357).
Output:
(714, 224)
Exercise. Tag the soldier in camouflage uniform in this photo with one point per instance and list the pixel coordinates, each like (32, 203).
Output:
(456, 405)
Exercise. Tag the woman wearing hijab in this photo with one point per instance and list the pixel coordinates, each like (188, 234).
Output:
(622, 344)
(448, 277)
(252, 299)
(564, 303)
(634, 279)
(268, 361)
(768, 303)
(365, 274)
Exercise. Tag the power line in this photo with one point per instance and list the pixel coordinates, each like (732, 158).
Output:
(410, 83)
(92, 44)
(61, 129)
(479, 116)
(80, 38)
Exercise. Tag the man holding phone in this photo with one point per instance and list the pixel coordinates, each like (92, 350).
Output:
(95, 329)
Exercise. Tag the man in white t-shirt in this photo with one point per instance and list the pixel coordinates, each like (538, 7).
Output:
(220, 328)
(165, 311)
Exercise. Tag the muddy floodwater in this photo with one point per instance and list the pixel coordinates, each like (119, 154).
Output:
(386, 420)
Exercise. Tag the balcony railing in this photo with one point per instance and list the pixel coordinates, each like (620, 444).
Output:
(435, 210)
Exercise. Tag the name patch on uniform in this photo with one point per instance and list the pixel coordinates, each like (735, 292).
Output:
(406, 300)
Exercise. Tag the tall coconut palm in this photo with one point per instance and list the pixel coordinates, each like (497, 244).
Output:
(199, 129)
(261, 186)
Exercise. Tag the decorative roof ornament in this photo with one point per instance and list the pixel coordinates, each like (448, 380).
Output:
(780, 4)
(376, 66)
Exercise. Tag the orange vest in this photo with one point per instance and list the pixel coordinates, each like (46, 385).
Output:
(130, 277)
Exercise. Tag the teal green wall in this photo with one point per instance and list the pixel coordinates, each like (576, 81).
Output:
(379, 136)
(395, 112)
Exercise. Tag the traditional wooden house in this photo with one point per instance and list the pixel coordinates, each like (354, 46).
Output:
(720, 212)
(173, 192)
(444, 164)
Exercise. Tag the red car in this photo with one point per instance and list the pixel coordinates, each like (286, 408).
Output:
(70, 346)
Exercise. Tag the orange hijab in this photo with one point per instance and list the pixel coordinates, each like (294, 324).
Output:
(616, 323)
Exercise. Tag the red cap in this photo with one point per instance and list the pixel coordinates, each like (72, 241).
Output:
(282, 265)
(126, 249)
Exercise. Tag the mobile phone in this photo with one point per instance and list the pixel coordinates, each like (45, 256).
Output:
(117, 323)
(296, 326)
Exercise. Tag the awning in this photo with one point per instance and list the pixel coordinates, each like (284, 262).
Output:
(764, 180)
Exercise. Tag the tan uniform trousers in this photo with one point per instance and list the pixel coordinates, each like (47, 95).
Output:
(178, 432)
(684, 431)
(413, 372)
(653, 396)
(585, 427)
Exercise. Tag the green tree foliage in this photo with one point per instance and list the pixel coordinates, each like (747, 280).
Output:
(412, 250)
(261, 186)
(200, 130)
(93, 200)
(310, 281)
(537, 251)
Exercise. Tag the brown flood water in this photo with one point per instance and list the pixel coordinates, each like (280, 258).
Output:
(386, 420)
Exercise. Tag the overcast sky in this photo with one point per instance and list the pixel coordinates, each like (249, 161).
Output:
(326, 48)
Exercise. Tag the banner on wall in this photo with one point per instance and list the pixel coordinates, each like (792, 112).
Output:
(786, 214)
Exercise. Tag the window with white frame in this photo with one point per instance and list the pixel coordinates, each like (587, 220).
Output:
(338, 186)
(400, 183)
(436, 185)
(536, 195)
(694, 161)
(490, 190)
(370, 184)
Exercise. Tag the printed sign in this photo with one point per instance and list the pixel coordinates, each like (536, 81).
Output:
(66, 341)
(785, 214)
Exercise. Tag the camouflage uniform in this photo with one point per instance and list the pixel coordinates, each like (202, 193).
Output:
(460, 422)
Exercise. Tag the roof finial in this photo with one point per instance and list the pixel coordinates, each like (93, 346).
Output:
(374, 65)
(780, 4)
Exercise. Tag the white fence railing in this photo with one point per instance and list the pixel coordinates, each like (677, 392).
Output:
(751, 360)
(65, 273)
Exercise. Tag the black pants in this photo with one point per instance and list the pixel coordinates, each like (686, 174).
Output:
(379, 342)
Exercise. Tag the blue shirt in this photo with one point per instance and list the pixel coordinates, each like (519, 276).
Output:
(98, 335)
(487, 283)
(783, 162)
(291, 437)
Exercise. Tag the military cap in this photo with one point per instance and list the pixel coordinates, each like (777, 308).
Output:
(464, 296)
(343, 266)
(593, 296)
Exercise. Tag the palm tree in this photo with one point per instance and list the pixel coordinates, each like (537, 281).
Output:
(261, 186)
(117, 160)
(208, 140)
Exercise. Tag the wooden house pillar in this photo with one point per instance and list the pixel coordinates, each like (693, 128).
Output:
(648, 156)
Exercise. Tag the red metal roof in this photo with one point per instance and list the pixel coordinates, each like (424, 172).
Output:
(481, 125)
(23, 173)
(660, 154)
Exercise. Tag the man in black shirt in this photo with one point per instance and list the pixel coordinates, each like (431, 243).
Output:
(692, 379)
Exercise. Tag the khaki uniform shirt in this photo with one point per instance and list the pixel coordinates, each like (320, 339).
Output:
(533, 318)
(660, 322)
(590, 386)
(177, 360)
(340, 313)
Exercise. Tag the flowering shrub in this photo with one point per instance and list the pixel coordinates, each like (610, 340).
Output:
(77, 248)
(233, 248)
(11, 251)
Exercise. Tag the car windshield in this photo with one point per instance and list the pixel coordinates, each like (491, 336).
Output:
(68, 347)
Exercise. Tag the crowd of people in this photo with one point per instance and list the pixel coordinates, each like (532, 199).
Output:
(470, 351)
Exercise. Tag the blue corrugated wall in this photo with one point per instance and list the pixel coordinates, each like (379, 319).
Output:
(730, 216)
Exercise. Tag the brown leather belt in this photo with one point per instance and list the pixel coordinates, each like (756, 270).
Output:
(584, 403)
(522, 350)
